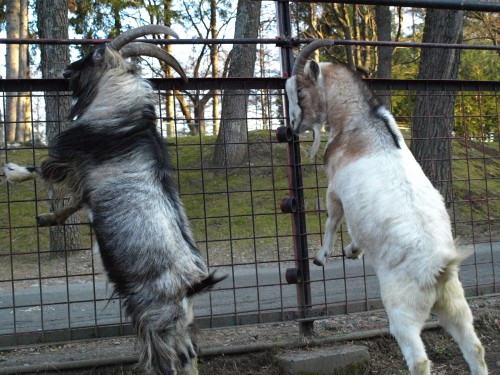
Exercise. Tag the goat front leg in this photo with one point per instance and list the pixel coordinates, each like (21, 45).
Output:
(335, 215)
(59, 217)
(352, 251)
(17, 173)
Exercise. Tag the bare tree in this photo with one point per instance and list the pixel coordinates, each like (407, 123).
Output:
(340, 21)
(52, 16)
(230, 149)
(434, 111)
(195, 14)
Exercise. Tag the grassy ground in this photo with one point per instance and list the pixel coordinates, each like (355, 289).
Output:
(235, 213)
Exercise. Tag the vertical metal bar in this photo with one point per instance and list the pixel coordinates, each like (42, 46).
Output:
(284, 31)
(304, 299)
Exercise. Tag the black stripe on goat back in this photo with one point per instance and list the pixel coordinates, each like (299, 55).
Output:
(86, 144)
(394, 136)
(374, 104)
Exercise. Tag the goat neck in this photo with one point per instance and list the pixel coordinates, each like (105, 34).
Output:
(359, 124)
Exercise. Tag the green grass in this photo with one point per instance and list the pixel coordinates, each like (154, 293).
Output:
(476, 189)
(235, 214)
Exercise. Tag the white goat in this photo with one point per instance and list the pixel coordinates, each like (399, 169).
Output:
(391, 209)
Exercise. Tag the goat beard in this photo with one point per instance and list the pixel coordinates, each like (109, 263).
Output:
(316, 142)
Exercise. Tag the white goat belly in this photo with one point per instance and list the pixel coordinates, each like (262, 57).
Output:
(397, 217)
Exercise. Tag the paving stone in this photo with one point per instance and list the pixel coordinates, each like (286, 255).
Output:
(345, 360)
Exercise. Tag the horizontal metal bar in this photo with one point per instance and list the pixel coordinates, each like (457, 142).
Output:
(432, 85)
(152, 41)
(246, 83)
(34, 84)
(481, 6)
(280, 42)
(344, 42)
(276, 83)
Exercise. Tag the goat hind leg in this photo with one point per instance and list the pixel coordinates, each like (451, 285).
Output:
(407, 334)
(456, 318)
(188, 357)
(335, 215)
(406, 322)
(175, 353)
(185, 346)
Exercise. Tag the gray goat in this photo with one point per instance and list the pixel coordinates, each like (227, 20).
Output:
(113, 162)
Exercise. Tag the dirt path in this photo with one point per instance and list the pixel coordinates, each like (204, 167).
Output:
(385, 357)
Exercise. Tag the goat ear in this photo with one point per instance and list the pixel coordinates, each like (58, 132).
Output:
(314, 70)
(98, 55)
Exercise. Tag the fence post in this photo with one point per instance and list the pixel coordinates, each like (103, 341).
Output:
(294, 205)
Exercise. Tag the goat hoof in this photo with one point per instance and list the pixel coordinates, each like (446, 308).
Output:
(43, 221)
(318, 262)
(352, 252)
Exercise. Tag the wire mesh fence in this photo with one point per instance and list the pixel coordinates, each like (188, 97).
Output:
(260, 222)
(240, 218)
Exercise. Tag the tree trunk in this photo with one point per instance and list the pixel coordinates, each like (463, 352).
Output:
(12, 17)
(231, 148)
(343, 19)
(214, 59)
(23, 128)
(434, 111)
(52, 18)
(312, 22)
(2, 130)
(264, 97)
(383, 20)
(170, 95)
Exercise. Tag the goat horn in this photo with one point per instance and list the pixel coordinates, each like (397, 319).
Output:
(130, 35)
(146, 49)
(300, 61)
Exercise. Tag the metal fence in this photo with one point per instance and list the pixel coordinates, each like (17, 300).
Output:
(238, 219)
(260, 223)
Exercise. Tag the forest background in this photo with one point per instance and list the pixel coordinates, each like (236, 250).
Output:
(230, 117)
(215, 19)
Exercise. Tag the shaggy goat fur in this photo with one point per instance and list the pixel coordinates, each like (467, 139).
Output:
(392, 210)
(113, 162)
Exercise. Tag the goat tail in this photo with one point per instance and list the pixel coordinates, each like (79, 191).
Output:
(206, 284)
(165, 330)
(17, 173)
(463, 252)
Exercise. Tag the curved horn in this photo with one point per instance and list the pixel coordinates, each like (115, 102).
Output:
(146, 49)
(130, 35)
(300, 61)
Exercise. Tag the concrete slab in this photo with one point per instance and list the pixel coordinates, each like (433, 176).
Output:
(346, 360)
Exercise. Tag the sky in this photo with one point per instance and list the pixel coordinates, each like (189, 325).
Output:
(182, 50)
(186, 52)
